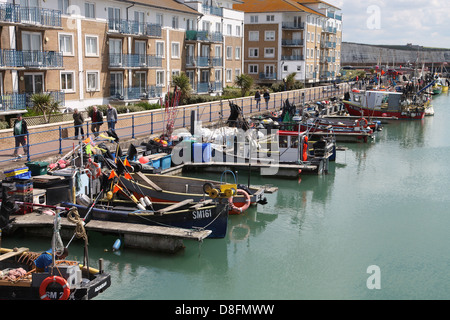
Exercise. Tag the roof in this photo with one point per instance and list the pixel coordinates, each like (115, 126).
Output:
(172, 5)
(258, 6)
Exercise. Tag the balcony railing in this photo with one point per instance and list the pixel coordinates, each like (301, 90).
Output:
(135, 93)
(206, 36)
(134, 27)
(58, 96)
(11, 13)
(293, 25)
(42, 59)
(267, 76)
(198, 62)
(122, 60)
(292, 42)
(11, 58)
(293, 58)
(212, 10)
(13, 101)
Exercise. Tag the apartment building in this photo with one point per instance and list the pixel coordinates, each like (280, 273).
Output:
(87, 52)
(284, 37)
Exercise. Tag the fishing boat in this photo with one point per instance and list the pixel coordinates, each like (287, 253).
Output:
(207, 215)
(437, 88)
(165, 188)
(20, 279)
(382, 104)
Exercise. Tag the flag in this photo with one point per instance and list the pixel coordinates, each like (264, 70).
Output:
(112, 175)
(126, 163)
(116, 188)
(127, 176)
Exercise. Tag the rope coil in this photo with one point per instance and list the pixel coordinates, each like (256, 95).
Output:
(74, 217)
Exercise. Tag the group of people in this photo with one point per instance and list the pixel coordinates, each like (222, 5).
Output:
(20, 129)
(266, 96)
(96, 120)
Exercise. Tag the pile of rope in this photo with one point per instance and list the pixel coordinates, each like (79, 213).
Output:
(74, 217)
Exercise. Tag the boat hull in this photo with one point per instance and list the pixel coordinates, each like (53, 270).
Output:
(355, 110)
(211, 217)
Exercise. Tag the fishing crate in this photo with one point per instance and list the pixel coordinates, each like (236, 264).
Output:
(37, 168)
(18, 173)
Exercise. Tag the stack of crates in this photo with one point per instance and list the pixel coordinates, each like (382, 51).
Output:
(21, 185)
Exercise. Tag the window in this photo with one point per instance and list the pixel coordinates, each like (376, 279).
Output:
(238, 31)
(253, 36)
(91, 46)
(253, 69)
(175, 49)
(270, 18)
(253, 52)
(175, 22)
(66, 44)
(89, 10)
(159, 19)
(92, 81)
(269, 52)
(63, 6)
(237, 72)
(254, 19)
(229, 27)
(229, 53)
(68, 81)
(160, 78)
(228, 75)
(237, 53)
(269, 35)
(160, 49)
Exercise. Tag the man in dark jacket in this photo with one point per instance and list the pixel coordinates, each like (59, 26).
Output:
(97, 120)
(78, 123)
(20, 131)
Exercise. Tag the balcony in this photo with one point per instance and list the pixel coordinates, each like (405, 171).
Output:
(41, 59)
(13, 102)
(16, 14)
(293, 58)
(135, 93)
(198, 62)
(267, 76)
(329, 30)
(293, 25)
(207, 87)
(292, 42)
(206, 36)
(11, 58)
(120, 60)
(131, 27)
(216, 11)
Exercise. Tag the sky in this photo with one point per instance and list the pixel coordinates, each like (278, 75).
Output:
(396, 22)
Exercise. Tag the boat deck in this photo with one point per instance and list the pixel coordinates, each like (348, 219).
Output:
(154, 238)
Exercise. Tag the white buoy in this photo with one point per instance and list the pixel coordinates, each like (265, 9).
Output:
(147, 201)
(117, 244)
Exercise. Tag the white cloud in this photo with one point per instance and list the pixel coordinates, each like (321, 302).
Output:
(422, 22)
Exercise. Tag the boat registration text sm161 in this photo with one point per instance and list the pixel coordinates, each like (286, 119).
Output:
(201, 214)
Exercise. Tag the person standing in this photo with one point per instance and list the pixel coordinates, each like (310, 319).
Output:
(20, 131)
(97, 120)
(267, 97)
(78, 121)
(111, 117)
(258, 99)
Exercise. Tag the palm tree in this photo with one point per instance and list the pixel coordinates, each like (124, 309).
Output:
(245, 82)
(43, 103)
(183, 84)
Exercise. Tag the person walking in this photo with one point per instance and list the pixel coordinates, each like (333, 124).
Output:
(97, 120)
(111, 117)
(258, 99)
(20, 131)
(78, 121)
(267, 98)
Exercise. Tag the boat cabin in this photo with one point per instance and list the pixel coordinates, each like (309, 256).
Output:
(378, 100)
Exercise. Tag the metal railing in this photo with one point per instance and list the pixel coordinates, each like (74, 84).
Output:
(134, 27)
(12, 13)
(60, 139)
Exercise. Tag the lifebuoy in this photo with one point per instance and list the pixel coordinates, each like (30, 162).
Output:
(361, 120)
(61, 281)
(236, 209)
(93, 169)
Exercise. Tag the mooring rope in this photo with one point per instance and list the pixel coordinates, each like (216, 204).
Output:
(74, 217)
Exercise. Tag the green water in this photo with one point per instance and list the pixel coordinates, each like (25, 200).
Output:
(384, 203)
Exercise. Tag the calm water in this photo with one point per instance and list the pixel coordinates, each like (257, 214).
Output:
(384, 203)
